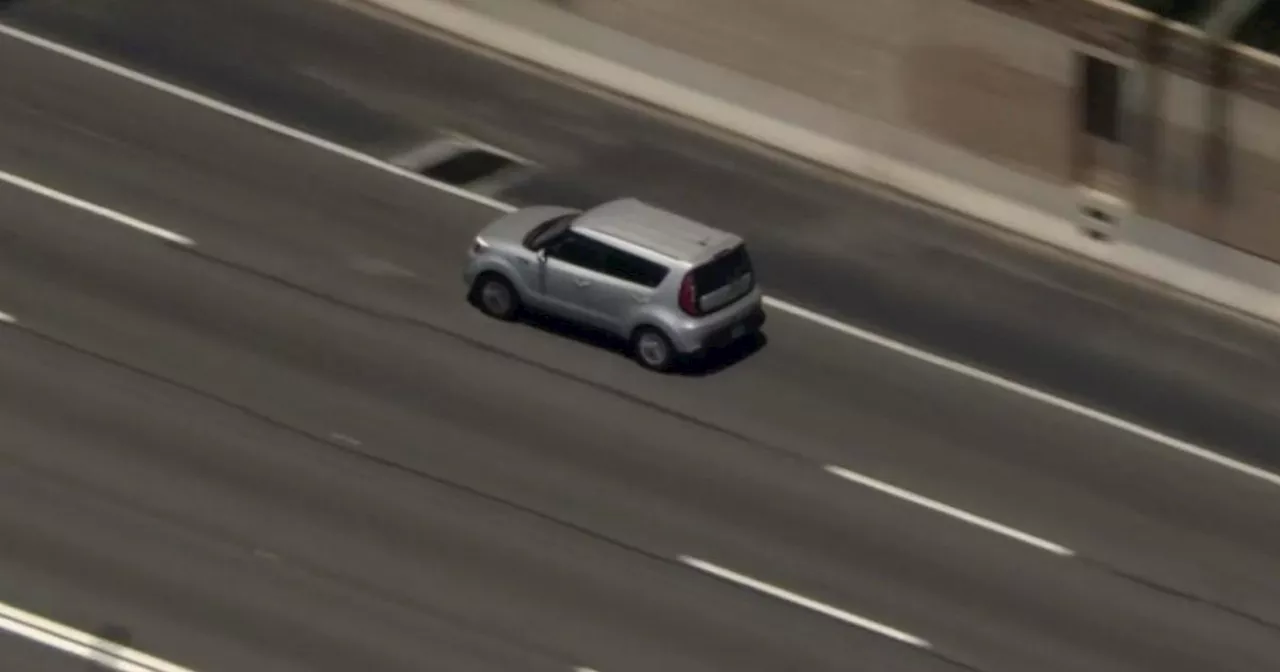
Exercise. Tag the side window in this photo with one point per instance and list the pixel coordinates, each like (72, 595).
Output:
(627, 266)
(580, 251)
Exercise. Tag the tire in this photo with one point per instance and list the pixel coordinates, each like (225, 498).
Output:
(653, 350)
(496, 297)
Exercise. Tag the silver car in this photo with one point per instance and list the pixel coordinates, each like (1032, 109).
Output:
(670, 286)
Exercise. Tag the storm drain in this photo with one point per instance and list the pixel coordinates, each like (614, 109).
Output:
(468, 167)
(467, 163)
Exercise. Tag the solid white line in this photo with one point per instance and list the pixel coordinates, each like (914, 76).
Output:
(243, 115)
(797, 311)
(1030, 392)
(958, 514)
(119, 218)
(802, 601)
(81, 644)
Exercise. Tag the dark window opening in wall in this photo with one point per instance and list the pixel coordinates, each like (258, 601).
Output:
(1184, 11)
(1261, 28)
(1100, 98)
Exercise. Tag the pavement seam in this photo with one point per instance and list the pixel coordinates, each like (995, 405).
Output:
(1167, 589)
(390, 316)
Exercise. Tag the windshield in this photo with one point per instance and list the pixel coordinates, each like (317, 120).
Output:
(548, 231)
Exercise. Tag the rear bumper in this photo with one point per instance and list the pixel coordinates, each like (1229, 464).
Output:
(745, 325)
(735, 331)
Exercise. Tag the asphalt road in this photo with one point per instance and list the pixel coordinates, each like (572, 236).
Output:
(1008, 307)
(17, 653)
(296, 448)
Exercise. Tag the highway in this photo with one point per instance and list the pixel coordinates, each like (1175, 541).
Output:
(861, 257)
(293, 446)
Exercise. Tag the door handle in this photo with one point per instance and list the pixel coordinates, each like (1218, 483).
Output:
(582, 283)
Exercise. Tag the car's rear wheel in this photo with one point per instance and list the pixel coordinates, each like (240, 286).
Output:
(653, 350)
(495, 296)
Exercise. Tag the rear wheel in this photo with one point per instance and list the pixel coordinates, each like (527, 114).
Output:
(653, 350)
(496, 297)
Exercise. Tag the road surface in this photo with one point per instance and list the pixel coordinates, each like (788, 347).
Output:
(294, 447)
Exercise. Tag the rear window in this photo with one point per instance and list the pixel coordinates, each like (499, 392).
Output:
(723, 271)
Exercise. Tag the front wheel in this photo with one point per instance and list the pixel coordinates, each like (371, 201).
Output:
(496, 297)
(653, 350)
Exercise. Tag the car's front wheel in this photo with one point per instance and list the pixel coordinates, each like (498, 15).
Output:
(496, 297)
(653, 350)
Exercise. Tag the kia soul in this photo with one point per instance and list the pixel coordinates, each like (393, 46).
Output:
(670, 286)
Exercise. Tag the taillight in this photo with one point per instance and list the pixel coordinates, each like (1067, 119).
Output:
(689, 296)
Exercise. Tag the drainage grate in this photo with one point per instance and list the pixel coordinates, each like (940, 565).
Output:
(469, 166)
(466, 163)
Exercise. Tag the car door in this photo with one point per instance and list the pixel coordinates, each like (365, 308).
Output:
(627, 284)
(571, 270)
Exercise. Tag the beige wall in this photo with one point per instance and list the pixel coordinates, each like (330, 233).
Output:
(966, 74)
(1252, 220)
(996, 79)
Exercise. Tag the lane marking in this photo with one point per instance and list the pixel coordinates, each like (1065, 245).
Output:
(243, 115)
(108, 213)
(1165, 440)
(1026, 391)
(81, 644)
(952, 511)
(802, 601)
(7, 318)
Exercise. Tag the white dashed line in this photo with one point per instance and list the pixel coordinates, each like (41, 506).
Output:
(802, 601)
(108, 213)
(81, 644)
(8, 319)
(1165, 440)
(952, 511)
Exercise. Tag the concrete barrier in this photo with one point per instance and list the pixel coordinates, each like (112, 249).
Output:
(1026, 187)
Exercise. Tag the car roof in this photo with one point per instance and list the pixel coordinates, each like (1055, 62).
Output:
(633, 221)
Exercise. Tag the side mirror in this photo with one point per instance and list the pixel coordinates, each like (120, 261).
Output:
(542, 256)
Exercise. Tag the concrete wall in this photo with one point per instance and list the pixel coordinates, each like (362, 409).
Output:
(944, 67)
(1251, 218)
(997, 80)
